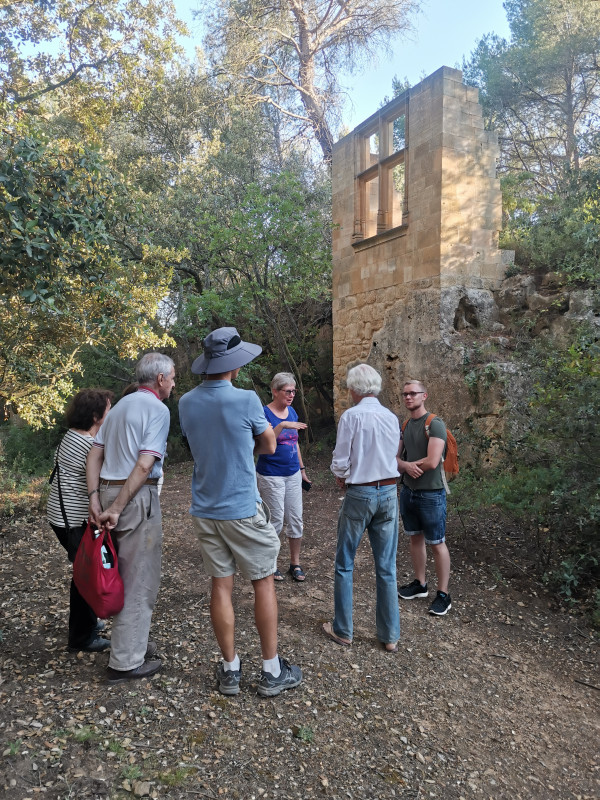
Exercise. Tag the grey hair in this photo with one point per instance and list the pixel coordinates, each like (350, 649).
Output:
(150, 366)
(282, 379)
(363, 380)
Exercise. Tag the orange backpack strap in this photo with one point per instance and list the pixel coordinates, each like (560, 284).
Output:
(428, 423)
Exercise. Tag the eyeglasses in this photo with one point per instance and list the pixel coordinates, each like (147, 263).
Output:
(289, 391)
(411, 394)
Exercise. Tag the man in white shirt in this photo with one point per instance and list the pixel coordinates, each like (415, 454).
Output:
(123, 469)
(364, 464)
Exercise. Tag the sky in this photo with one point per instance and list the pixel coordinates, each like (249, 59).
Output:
(445, 31)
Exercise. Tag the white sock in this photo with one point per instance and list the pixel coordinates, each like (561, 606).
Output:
(232, 665)
(273, 666)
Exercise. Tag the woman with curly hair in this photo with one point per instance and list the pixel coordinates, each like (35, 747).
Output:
(67, 509)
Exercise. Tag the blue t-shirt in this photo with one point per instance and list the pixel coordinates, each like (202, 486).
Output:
(284, 460)
(220, 422)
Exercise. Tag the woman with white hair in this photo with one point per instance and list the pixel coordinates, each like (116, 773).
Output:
(280, 475)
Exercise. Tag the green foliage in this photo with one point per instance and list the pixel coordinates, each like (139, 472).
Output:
(549, 477)
(563, 235)
(103, 56)
(13, 747)
(28, 452)
(541, 90)
(84, 734)
(131, 772)
(269, 261)
(176, 777)
(69, 282)
(53, 220)
(304, 732)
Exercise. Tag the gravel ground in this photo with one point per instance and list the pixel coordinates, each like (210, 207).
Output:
(499, 699)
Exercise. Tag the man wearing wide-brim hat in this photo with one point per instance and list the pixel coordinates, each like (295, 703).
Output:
(225, 426)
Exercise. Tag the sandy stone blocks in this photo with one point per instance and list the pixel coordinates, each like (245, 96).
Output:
(454, 214)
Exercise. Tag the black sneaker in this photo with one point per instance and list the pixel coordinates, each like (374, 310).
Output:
(289, 677)
(441, 605)
(228, 680)
(412, 590)
(145, 670)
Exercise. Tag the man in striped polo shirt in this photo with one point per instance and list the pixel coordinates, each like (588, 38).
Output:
(123, 469)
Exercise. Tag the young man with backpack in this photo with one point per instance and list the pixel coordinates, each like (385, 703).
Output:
(423, 497)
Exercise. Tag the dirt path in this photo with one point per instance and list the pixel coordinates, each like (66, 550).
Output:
(484, 703)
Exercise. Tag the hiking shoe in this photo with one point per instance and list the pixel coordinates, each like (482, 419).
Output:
(441, 605)
(96, 645)
(145, 670)
(151, 650)
(289, 677)
(228, 680)
(412, 590)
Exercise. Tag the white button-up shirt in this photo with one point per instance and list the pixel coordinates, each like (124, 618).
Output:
(368, 440)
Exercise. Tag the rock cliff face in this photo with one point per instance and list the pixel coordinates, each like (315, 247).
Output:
(460, 342)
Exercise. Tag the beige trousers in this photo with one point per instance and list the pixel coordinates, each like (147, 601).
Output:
(138, 541)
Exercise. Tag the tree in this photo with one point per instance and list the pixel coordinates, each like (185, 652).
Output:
(563, 235)
(250, 216)
(541, 90)
(288, 53)
(70, 278)
(117, 48)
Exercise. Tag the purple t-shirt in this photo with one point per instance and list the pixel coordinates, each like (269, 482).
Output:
(284, 460)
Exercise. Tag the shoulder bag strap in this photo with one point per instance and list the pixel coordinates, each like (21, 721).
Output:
(60, 497)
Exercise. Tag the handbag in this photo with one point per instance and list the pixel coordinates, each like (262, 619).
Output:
(99, 583)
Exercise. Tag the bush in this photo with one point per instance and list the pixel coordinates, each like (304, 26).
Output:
(549, 478)
(28, 452)
(562, 233)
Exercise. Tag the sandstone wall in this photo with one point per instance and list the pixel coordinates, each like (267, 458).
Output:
(404, 287)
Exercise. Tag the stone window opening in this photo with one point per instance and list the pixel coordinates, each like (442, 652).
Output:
(381, 162)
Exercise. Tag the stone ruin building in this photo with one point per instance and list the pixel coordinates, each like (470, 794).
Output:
(417, 211)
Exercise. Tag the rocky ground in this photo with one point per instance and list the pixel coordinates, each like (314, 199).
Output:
(497, 700)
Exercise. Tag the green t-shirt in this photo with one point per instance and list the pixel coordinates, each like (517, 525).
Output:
(415, 447)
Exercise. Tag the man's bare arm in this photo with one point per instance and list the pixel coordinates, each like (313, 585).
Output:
(435, 451)
(266, 443)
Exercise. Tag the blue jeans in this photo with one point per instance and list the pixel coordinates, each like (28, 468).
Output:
(375, 509)
(424, 512)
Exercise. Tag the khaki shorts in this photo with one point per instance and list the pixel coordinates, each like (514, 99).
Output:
(252, 544)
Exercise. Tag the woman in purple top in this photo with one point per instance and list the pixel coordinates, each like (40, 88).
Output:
(280, 475)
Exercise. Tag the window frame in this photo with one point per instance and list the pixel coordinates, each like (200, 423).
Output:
(382, 124)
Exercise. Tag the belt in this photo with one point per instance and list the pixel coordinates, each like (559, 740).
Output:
(149, 482)
(384, 482)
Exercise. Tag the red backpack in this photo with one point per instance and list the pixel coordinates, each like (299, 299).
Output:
(450, 458)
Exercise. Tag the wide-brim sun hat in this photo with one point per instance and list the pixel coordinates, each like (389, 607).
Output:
(224, 351)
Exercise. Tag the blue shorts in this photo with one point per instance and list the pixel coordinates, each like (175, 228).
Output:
(424, 512)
